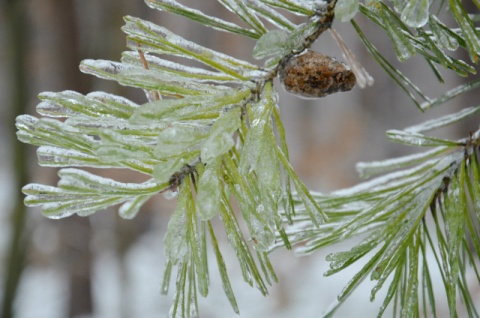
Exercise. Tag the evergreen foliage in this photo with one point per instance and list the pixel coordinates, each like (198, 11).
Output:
(213, 135)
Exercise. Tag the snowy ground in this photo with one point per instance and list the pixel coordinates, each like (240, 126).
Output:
(302, 291)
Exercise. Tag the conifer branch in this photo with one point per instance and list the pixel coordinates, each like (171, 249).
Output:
(213, 135)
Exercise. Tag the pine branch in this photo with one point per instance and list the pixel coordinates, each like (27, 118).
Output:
(393, 212)
(211, 144)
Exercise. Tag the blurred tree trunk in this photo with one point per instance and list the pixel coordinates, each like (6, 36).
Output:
(64, 56)
(57, 59)
(16, 40)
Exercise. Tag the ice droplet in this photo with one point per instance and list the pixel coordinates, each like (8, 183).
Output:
(170, 194)
(209, 194)
(182, 134)
(260, 209)
(130, 209)
(164, 170)
(271, 43)
(345, 10)
(445, 40)
(176, 246)
(403, 49)
(221, 135)
(262, 236)
(415, 14)
(216, 145)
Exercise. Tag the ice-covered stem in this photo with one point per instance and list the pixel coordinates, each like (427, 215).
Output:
(177, 178)
(297, 41)
(319, 23)
(469, 146)
(325, 15)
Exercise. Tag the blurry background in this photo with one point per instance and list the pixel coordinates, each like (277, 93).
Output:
(104, 266)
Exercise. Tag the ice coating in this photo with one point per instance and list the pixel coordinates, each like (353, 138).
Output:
(26, 127)
(366, 169)
(208, 20)
(116, 105)
(62, 202)
(416, 139)
(148, 34)
(246, 14)
(58, 157)
(72, 104)
(443, 121)
(101, 68)
(194, 73)
(380, 182)
(272, 15)
(51, 109)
